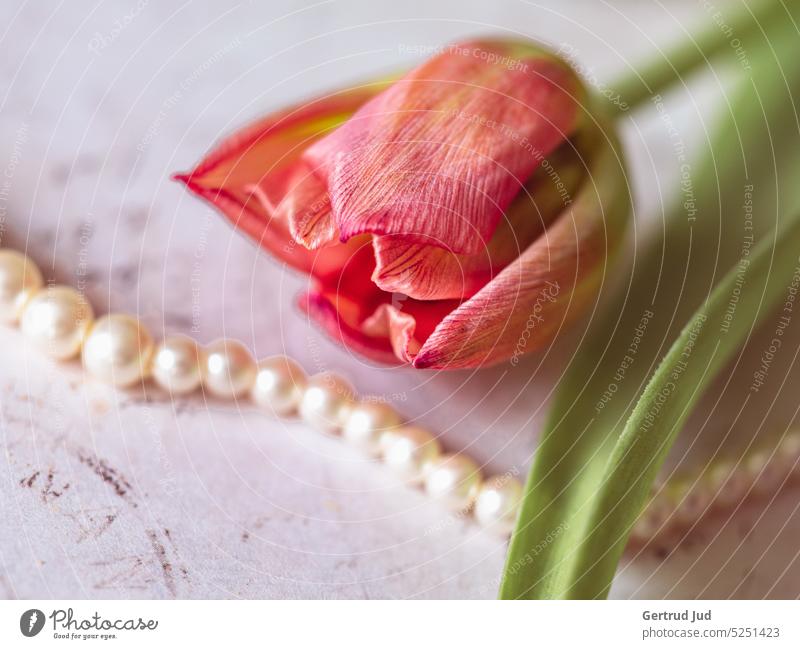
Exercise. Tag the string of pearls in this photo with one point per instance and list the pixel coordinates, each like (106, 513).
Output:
(678, 505)
(118, 349)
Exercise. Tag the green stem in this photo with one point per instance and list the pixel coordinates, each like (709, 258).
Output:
(721, 31)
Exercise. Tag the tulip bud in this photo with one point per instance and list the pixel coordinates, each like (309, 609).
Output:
(458, 216)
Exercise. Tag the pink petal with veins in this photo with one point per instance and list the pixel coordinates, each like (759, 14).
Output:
(440, 154)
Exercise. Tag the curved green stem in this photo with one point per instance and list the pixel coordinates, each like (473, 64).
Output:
(723, 29)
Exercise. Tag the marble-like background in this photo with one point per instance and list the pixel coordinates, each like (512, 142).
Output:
(111, 495)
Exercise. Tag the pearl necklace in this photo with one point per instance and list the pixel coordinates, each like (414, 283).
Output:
(119, 350)
(675, 507)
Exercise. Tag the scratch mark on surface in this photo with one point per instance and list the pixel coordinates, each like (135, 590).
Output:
(258, 523)
(127, 577)
(28, 482)
(182, 567)
(161, 556)
(109, 475)
(48, 493)
(93, 523)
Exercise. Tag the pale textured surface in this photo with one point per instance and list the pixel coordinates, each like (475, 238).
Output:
(105, 494)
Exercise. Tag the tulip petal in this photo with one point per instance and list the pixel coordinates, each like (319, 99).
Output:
(390, 335)
(306, 207)
(252, 175)
(549, 285)
(324, 313)
(439, 155)
(398, 327)
(382, 326)
(428, 272)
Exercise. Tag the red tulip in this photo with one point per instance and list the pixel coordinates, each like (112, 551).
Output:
(455, 217)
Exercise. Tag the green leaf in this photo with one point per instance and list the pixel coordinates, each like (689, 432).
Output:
(596, 460)
(705, 345)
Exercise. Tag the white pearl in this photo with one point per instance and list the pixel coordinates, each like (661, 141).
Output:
(228, 371)
(279, 385)
(654, 520)
(118, 350)
(649, 525)
(727, 484)
(366, 422)
(690, 502)
(56, 321)
(497, 503)
(789, 450)
(176, 365)
(19, 280)
(326, 401)
(765, 471)
(643, 529)
(409, 451)
(454, 479)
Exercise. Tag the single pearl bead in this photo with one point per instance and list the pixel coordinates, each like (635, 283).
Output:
(279, 385)
(19, 280)
(455, 479)
(654, 520)
(690, 501)
(409, 451)
(56, 320)
(228, 371)
(727, 484)
(642, 530)
(651, 524)
(326, 401)
(118, 350)
(176, 365)
(366, 422)
(766, 472)
(789, 451)
(497, 503)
